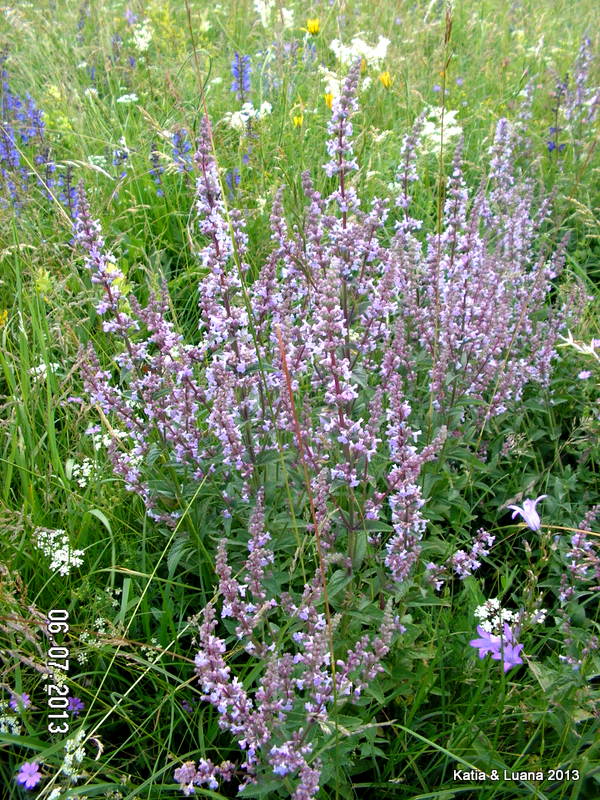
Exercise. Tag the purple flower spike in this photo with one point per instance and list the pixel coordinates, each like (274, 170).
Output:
(528, 512)
(501, 648)
(29, 775)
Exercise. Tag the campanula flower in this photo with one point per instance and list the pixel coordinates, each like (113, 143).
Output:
(501, 648)
(529, 513)
(19, 701)
(75, 706)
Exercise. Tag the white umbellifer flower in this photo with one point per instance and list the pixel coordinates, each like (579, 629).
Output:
(492, 617)
(238, 120)
(10, 724)
(440, 127)
(287, 17)
(142, 35)
(505, 615)
(263, 8)
(91, 91)
(359, 48)
(55, 545)
(128, 98)
(74, 754)
(81, 472)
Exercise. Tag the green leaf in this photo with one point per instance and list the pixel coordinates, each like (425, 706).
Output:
(95, 512)
(338, 581)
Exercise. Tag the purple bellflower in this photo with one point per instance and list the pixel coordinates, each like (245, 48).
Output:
(529, 513)
(75, 706)
(501, 648)
(19, 702)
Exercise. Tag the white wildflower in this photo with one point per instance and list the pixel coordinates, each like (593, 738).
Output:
(128, 98)
(332, 81)
(439, 128)
(10, 724)
(287, 17)
(55, 545)
(142, 35)
(263, 8)
(40, 373)
(98, 161)
(238, 120)
(359, 48)
(81, 472)
(74, 755)
(100, 625)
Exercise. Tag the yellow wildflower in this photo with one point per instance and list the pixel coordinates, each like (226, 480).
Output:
(3, 317)
(386, 79)
(328, 99)
(298, 120)
(363, 64)
(43, 282)
(313, 26)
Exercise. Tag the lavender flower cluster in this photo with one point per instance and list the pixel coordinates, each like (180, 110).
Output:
(576, 101)
(474, 293)
(301, 681)
(313, 363)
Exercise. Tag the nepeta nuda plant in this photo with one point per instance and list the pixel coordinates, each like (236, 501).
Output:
(582, 100)
(472, 295)
(314, 366)
(298, 681)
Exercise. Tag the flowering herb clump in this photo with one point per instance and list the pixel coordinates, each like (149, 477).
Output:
(320, 369)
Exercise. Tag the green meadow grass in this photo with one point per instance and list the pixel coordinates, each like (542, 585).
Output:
(437, 708)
